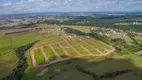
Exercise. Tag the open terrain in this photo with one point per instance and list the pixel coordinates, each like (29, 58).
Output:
(68, 50)
(56, 54)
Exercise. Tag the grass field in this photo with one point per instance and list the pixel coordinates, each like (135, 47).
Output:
(73, 46)
(96, 65)
(95, 45)
(82, 28)
(100, 44)
(77, 47)
(38, 56)
(49, 53)
(8, 58)
(59, 50)
(64, 44)
(49, 39)
(88, 47)
(71, 52)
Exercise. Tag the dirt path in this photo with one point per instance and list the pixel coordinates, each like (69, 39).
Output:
(93, 47)
(35, 48)
(72, 47)
(44, 70)
(100, 42)
(66, 52)
(44, 55)
(33, 58)
(85, 49)
(94, 43)
(56, 61)
(51, 40)
(110, 51)
(55, 53)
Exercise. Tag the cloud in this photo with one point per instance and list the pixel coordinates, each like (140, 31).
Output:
(7, 4)
(34, 0)
(22, 6)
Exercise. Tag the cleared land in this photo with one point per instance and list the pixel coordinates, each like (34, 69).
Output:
(49, 53)
(39, 57)
(71, 47)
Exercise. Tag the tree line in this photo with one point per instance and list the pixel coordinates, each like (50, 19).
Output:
(18, 72)
(103, 76)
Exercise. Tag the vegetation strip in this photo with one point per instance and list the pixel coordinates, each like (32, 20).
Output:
(106, 75)
(96, 45)
(85, 48)
(55, 53)
(64, 50)
(55, 61)
(18, 72)
(92, 47)
(72, 47)
(44, 55)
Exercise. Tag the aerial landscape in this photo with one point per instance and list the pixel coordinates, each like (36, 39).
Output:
(70, 40)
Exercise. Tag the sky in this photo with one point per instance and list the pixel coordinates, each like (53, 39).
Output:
(32, 6)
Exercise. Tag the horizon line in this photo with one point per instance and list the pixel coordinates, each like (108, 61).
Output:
(74, 12)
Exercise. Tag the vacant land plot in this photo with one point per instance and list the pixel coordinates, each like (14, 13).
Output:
(101, 44)
(49, 40)
(91, 49)
(49, 53)
(59, 50)
(71, 46)
(64, 44)
(95, 45)
(77, 47)
(71, 52)
(67, 47)
(39, 58)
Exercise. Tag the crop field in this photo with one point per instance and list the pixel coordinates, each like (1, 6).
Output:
(66, 47)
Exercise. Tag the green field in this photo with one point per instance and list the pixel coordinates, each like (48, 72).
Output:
(39, 58)
(88, 47)
(59, 50)
(95, 45)
(49, 53)
(64, 44)
(99, 65)
(77, 47)
(49, 39)
(71, 52)
(102, 45)
(8, 59)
